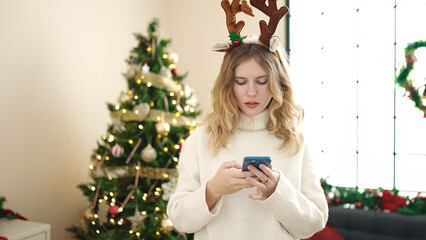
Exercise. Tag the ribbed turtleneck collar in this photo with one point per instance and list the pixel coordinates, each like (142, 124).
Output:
(254, 123)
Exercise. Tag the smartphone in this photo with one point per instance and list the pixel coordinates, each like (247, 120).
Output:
(255, 161)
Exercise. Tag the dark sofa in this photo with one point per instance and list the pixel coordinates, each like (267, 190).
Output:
(358, 224)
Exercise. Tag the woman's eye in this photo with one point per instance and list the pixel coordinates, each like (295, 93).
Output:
(240, 83)
(263, 82)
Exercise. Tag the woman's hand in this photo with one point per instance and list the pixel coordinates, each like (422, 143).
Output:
(268, 180)
(228, 179)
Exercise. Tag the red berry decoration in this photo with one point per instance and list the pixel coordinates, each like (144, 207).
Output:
(113, 210)
(358, 204)
(376, 207)
(370, 190)
(337, 200)
(236, 42)
(377, 195)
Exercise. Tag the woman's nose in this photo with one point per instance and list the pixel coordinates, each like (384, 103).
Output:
(251, 91)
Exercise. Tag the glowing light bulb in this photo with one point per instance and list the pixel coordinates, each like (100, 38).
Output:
(156, 193)
(124, 111)
(136, 97)
(149, 84)
(139, 81)
(158, 118)
(177, 147)
(111, 194)
(91, 167)
(93, 188)
(98, 157)
(117, 107)
(120, 209)
(93, 223)
(136, 111)
(166, 149)
(107, 158)
(138, 234)
(110, 138)
(149, 49)
(175, 159)
(157, 209)
(137, 167)
(95, 215)
(174, 102)
(192, 109)
(165, 56)
(140, 126)
(172, 94)
(130, 141)
(143, 213)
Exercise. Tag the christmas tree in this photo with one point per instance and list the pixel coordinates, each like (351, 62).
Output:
(133, 168)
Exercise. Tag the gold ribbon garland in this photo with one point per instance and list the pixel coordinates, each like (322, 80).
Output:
(156, 80)
(127, 171)
(155, 115)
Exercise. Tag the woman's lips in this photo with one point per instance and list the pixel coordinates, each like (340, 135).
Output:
(251, 104)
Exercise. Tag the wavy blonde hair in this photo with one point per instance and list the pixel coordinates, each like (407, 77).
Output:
(285, 114)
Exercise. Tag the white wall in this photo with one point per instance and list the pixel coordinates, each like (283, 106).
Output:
(60, 62)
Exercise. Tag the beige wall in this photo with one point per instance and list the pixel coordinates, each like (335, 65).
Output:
(60, 62)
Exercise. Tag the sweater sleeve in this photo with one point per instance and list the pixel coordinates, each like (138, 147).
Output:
(187, 207)
(303, 212)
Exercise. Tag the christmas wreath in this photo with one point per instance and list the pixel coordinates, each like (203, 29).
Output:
(374, 199)
(403, 81)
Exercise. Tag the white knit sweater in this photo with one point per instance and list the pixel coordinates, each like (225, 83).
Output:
(297, 208)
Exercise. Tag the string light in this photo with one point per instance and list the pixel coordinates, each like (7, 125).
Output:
(120, 209)
(97, 231)
(117, 107)
(139, 81)
(98, 157)
(136, 111)
(106, 197)
(177, 147)
(144, 197)
(156, 193)
(175, 159)
(95, 215)
(158, 118)
(166, 149)
(100, 200)
(158, 233)
(151, 104)
(137, 167)
(107, 158)
(91, 167)
(138, 234)
(149, 49)
(186, 107)
(130, 141)
(172, 94)
(174, 102)
(110, 178)
(110, 138)
(143, 213)
(112, 220)
(140, 126)
(104, 138)
(120, 222)
(111, 194)
(192, 109)
(92, 188)
(136, 97)
(124, 111)
(93, 223)
(177, 114)
(165, 56)
(157, 209)
(166, 175)
(149, 84)
(130, 231)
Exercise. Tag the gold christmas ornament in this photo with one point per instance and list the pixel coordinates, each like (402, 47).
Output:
(162, 128)
(166, 224)
(173, 58)
(149, 153)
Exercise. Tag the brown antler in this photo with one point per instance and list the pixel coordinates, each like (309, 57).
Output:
(275, 15)
(231, 9)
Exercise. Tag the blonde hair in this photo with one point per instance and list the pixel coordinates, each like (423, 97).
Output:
(285, 114)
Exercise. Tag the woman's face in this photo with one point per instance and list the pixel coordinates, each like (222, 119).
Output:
(251, 88)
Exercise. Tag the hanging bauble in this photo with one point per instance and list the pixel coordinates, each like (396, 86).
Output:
(162, 128)
(175, 72)
(141, 111)
(117, 150)
(114, 210)
(149, 154)
(173, 58)
(133, 71)
(166, 224)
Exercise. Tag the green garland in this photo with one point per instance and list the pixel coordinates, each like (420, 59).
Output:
(373, 199)
(403, 81)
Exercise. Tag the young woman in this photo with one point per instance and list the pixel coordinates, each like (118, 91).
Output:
(253, 114)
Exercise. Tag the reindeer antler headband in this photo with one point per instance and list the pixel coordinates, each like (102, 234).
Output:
(266, 37)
